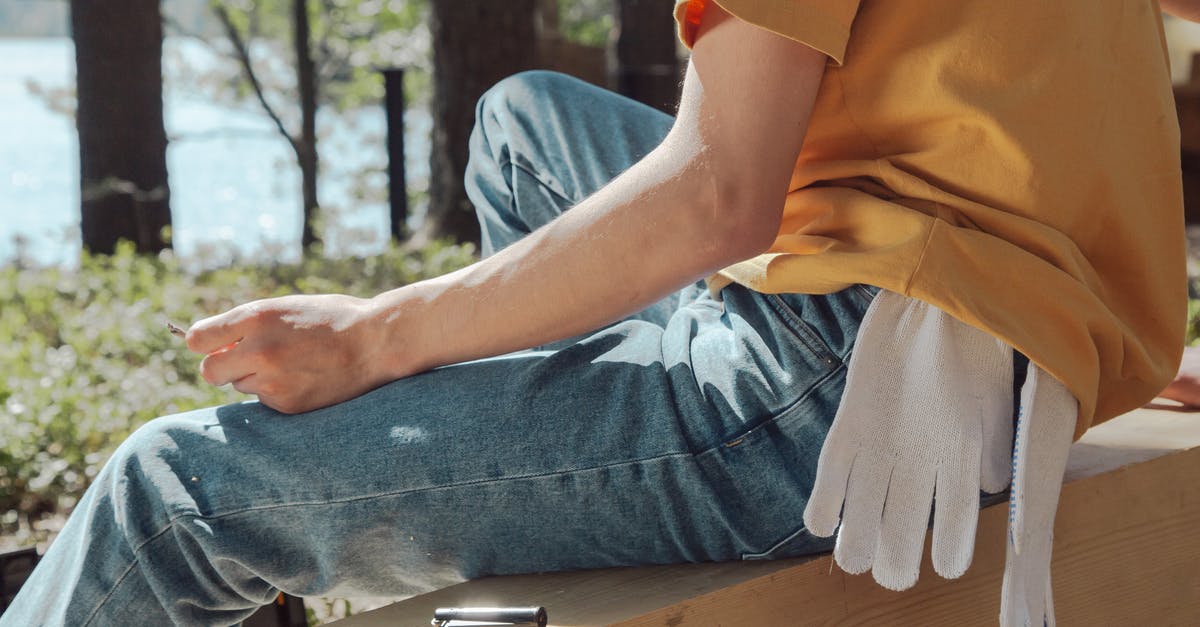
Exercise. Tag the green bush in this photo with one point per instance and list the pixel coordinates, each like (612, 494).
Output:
(1193, 323)
(89, 359)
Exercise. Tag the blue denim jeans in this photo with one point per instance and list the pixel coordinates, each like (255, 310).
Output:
(688, 432)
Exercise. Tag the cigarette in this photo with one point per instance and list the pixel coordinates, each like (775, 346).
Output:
(175, 330)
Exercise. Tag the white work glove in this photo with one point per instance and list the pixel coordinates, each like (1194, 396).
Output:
(927, 410)
(1045, 424)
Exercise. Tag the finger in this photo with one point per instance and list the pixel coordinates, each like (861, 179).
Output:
(995, 470)
(955, 519)
(1020, 480)
(865, 493)
(271, 394)
(824, 508)
(1014, 608)
(1019, 602)
(902, 530)
(248, 384)
(227, 365)
(221, 330)
(1048, 603)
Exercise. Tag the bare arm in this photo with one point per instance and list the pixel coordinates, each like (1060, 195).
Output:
(1183, 9)
(710, 195)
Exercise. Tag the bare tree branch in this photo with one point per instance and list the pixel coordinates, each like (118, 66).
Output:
(177, 28)
(243, 54)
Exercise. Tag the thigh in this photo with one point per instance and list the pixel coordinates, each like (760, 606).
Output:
(641, 444)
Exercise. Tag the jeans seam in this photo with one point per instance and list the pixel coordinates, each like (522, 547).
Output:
(767, 554)
(529, 170)
(366, 497)
(799, 328)
(865, 291)
(775, 419)
(128, 569)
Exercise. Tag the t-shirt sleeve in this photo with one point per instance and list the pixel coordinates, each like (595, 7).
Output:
(823, 25)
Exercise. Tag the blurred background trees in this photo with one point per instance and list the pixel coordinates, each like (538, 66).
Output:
(92, 362)
(296, 56)
(119, 117)
(627, 45)
(475, 44)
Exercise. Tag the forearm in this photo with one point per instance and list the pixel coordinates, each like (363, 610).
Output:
(652, 230)
(710, 195)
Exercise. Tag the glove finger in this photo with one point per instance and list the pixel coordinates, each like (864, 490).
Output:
(1033, 571)
(995, 470)
(865, 493)
(1021, 605)
(905, 521)
(824, 507)
(987, 371)
(1024, 481)
(1025, 594)
(1014, 602)
(955, 519)
(1048, 603)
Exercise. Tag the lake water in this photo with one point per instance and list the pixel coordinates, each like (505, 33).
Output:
(234, 186)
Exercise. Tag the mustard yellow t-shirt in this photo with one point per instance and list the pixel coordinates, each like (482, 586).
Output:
(1015, 164)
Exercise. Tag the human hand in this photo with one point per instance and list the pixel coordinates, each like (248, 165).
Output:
(296, 353)
(1045, 425)
(927, 409)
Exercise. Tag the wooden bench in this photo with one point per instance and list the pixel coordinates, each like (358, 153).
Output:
(1126, 552)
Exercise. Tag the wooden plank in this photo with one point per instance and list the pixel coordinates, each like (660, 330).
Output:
(580, 597)
(1126, 553)
(1138, 436)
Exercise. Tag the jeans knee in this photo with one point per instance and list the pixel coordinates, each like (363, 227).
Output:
(162, 437)
(155, 469)
(524, 90)
(528, 95)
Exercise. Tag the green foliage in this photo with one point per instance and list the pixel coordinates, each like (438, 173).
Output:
(90, 358)
(587, 22)
(351, 41)
(1193, 323)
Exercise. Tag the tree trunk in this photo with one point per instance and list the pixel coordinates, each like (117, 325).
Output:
(394, 105)
(122, 142)
(306, 144)
(647, 69)
(475, 44)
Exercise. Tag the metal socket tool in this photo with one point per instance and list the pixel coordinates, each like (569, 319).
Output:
(489, 617)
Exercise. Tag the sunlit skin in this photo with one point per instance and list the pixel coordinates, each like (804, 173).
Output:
(1186, 386)
(710, 195)
(1185, 9)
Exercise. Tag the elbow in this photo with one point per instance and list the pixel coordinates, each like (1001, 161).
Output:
(747, 216)
(734, 205)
